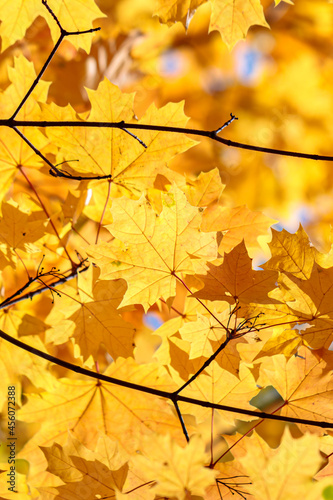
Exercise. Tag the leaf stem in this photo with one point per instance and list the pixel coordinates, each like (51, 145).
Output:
(201, 303)
(246, 433)
(103, 213)
(32, 187)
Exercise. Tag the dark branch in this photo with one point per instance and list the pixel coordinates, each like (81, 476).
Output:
(162, 128)
(62, 30)
(205, 365)
(157, 392)
(63, 34)
(182, 423)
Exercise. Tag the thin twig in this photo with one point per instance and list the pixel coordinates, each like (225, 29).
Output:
(227, 123)
(205, 365)
(14, 298)
(182, 423)
(135, 137)
(44, 2)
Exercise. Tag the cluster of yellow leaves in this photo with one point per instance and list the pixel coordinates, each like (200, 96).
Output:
(170, 237)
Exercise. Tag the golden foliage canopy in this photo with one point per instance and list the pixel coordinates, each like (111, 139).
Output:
(166, 318)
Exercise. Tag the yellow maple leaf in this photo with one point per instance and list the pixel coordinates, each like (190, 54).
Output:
(232, 18)
(236, 224)
(285, 342)
(286, 472)
(111, 151)
(90, 317)
(311, 302)
(199, 340)
(205, 189)
(18, 231)
(291, 253)
(178, 472)
(82, 470)
(151, 249)
(74, 15)
(90, 408)
(304, 382)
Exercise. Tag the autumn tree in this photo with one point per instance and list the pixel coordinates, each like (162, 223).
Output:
(166, 322)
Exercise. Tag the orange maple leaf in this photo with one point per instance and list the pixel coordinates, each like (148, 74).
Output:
(235, 281)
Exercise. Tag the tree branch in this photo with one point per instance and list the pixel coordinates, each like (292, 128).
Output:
(162, 128)
(156, 392)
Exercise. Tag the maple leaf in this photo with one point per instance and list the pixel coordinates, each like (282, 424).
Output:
(236, 224)
(163, 459)
(75, 15)
(174, 351)
(204, 190)
(285, 472)
(90, 317)
(18, 231)
(285, 342)
(111, 151)
(291, 253)
(232, 18)
(13, 152)
(304, 383)
(235, 281)
(311, 302)
(152, 249)
(90, 408)
(81, 470)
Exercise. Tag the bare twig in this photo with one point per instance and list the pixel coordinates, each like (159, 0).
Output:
(17, 297)
(227, 123)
